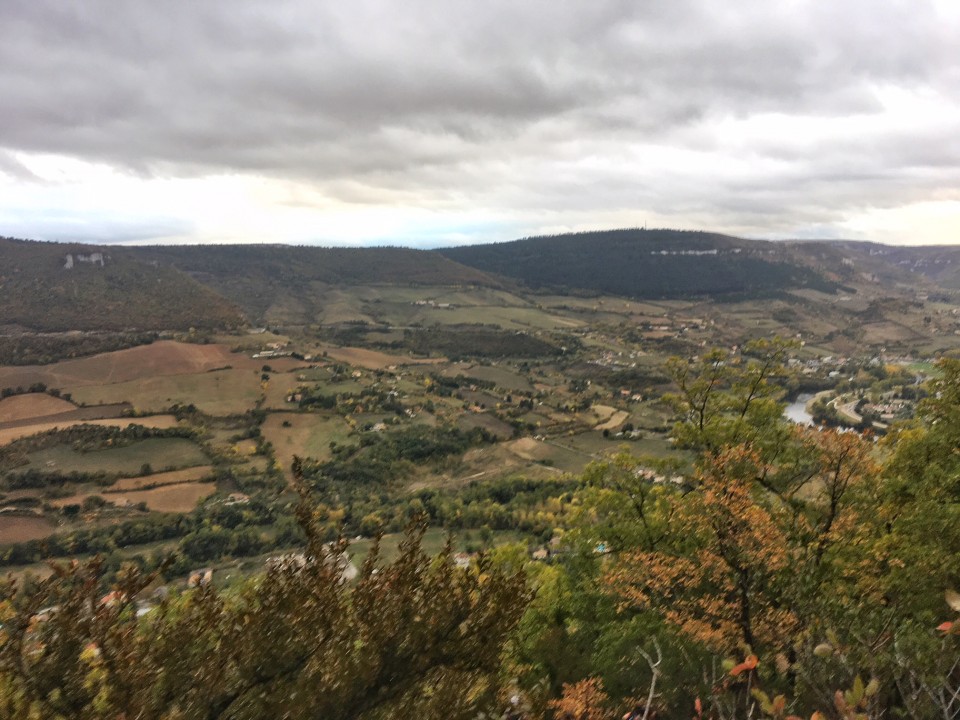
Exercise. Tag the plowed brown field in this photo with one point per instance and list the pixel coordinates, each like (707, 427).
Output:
(373, 360)
(32, 405)
(16, 528)
(164, 357)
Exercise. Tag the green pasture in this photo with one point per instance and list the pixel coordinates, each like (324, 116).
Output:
(481, 296)
(310, 374)
(307, 435)
(277, 389)
(500, 375)
(160, 453)
(508, 318)
(595, 444)
(341, 306)
(565, 456)
(924, 368)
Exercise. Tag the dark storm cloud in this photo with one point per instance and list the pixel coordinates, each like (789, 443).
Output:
(504, 104)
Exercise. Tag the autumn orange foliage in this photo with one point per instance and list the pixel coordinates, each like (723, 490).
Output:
(585, 700)
(739, 541)
(721, 592)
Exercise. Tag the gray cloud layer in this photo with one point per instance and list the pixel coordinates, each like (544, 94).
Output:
(549, 109)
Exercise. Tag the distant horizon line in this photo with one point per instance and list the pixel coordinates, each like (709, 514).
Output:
(389, 245)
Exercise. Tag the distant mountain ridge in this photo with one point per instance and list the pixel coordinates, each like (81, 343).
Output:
(65, 286)
(57, 287)
(647, 263)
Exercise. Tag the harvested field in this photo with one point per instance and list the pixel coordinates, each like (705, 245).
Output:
(16, 528)
(615, 421)
(8, 435)
(32, 405)
(483, 464)
(92, 412)
(181, 497)
(171, 498)
(888, 332)
(220, 392)
(373, 360)
(652, 445)
(276, 391)
(75, 499)
(162, 358)
(555, 455)
(174, 477)
(493, 425)
(603, 412)
(529, 449)
(434, 541)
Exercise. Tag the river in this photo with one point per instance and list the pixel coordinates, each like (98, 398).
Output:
(797, 410)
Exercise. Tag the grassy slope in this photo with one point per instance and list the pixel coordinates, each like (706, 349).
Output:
(288, 280)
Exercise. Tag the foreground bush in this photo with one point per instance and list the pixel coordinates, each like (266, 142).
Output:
(416, 638)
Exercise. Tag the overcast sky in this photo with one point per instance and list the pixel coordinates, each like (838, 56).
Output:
(438, 123)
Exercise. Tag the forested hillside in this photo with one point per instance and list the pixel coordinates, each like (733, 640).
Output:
(645, 264)
(51, 287)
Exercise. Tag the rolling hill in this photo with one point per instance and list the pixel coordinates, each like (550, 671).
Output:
(55, 287)
(262, 278)
(51, 287)
(646, 264)
(58, 287)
